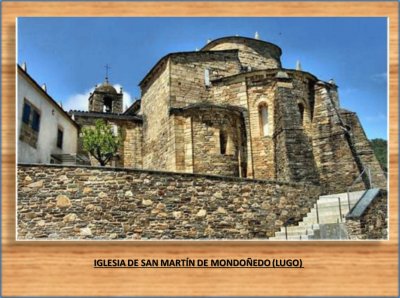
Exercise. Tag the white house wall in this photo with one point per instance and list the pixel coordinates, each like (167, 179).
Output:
(50, 119)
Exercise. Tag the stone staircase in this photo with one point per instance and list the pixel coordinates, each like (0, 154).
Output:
(325, 220)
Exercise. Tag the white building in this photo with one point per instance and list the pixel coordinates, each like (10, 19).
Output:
(46, 133)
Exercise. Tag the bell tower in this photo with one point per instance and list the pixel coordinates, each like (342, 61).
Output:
(105, 99)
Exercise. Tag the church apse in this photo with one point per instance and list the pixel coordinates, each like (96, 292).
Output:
(231, 109)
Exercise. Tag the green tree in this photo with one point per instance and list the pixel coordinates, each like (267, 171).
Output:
(380, 149)
(100, 141)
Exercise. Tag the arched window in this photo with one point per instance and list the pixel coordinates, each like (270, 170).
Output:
(264, 125)
(223, 141)
(107, 108)
(301, 110)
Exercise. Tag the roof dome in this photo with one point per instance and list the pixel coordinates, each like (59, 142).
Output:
(106, 88)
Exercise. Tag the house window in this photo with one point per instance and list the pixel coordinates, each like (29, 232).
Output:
(31, 116)
(301, 110)
(30, 124)
(264, 125)
(26, 113)
(35, 120)
(60, 135)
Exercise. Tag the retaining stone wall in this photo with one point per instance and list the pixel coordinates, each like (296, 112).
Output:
(372, 225)
(71, 202)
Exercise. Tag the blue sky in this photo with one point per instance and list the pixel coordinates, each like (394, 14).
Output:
(69, 54)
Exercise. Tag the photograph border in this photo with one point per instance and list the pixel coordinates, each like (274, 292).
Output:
(25, 258)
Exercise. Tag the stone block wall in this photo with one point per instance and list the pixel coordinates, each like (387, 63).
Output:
(340, 146)
(187, 75)
(130, 151)
(253, 54)
(231, 93)
(364, 149)
(60, 203)
(294, 154)
(303, 92)
(335, 161)
(158, 128)
(210, 140)
(208, 129)
(96, 101)
(372, 225)
(261, 94)
(251, 91)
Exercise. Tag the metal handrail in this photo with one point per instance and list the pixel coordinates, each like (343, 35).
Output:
(356, 180)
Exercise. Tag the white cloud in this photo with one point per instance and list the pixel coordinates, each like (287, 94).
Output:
(80, 102)
(379, 77)
(127, 99)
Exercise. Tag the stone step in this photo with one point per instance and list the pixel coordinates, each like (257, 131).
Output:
(354, 194)
(328, 213)
(333, 204)
(282, 236)
(336, 200)
(306, 229)
(296, 233)
(302, 229)
(323, 219)
(313, 226)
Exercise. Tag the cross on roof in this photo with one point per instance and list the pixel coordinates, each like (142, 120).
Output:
(107, 68)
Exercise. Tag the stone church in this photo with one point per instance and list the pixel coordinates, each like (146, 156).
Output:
(231, 109)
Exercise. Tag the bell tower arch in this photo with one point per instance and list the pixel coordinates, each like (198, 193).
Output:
(105, 99)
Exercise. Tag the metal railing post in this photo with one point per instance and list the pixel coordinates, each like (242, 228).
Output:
(340, 210)
(369, 176)
(348, 199)
(286, 231)
(316, 209)
(355, 181)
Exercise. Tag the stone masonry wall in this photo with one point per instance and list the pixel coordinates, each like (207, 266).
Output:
(96, 101)
(364, 149)
(260, 93)
(130, 151)
(294, 155)
(335, 162)
(188, 74)
(208, 156)
(132, 145)
(56, 202)
(303, 92)
(373, 223)
(158, 128)
(255, 89)
(252, 53)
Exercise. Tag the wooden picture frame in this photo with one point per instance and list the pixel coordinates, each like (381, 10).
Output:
(63, 269)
